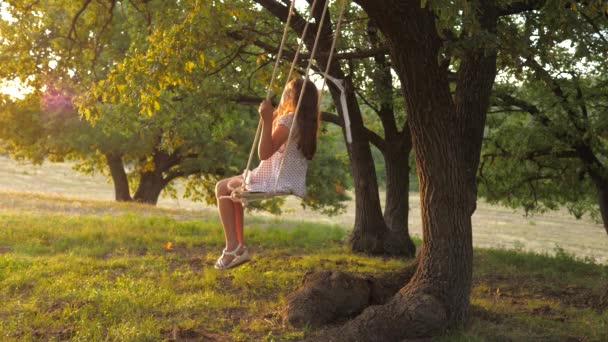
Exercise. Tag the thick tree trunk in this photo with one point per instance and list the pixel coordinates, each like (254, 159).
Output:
(151, 183)
(150, 186)
(396, 208)
(446, 134)
(437, 297)
(119, 177)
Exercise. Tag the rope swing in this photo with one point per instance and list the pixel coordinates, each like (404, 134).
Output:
(241, 194)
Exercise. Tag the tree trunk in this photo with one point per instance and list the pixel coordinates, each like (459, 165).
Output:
(370, 231)
(151, 183)
(396, 152)
(446, 135)
(599, 177)
(150, 186)
(603, 200)
(119, 177)
(602, 192)
(396, 208)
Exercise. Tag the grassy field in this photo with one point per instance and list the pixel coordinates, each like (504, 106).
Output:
(104, 272)
(493, 226)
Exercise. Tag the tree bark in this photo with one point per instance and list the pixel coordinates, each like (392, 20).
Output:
(396, 152)
(369, 231)
(441, 285)
(119, 177)
(396, 208)
(329, 296)
(151, 183)
(150, 186)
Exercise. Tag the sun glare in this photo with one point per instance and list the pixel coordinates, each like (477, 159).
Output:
(5, 14)
(14, 89)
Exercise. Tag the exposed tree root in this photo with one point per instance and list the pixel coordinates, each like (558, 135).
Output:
(412, 316)
(382, 308)
(329, 296)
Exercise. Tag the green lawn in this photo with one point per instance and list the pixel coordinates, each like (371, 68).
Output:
(104, 273)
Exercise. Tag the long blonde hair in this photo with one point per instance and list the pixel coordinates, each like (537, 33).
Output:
(307, 122)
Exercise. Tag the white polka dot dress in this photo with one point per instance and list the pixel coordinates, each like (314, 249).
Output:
(293, 175)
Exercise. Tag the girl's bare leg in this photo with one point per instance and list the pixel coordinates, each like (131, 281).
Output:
(238, 220)
(234, 183)
(227, 212)
(230, 214)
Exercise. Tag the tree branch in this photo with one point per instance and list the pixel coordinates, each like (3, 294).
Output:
(598, 31)
(333, 118)
(97, 48)
(75, 19)
(556, 89)
(383, 84)
(254, 101)
(375, 139)
(580, 98)
(517, 7)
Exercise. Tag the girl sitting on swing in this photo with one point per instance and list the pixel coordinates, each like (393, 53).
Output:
(271, 150)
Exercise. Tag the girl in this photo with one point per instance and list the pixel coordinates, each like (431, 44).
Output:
(275, 131)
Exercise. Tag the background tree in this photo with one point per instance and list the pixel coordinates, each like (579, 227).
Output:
(167, 61)
(66, 63)
(546, 141)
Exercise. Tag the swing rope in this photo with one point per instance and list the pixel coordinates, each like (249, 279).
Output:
(269, 91)
(241, 193)
(258, 131)
(306, 78)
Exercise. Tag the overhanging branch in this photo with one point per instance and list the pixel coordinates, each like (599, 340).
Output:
(517, 7)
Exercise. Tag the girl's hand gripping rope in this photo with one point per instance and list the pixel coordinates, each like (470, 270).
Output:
(266, 111)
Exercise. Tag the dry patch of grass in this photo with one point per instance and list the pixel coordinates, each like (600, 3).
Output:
(49, 203)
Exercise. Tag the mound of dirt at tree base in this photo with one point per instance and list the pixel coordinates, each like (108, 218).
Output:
(332, 296)
(346, 295)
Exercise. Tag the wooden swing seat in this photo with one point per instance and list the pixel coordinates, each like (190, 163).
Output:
(245, 197)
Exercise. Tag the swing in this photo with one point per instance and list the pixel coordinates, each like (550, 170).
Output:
(241, 194)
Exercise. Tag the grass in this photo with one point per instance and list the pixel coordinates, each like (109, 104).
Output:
(104, 274)
(493, 226)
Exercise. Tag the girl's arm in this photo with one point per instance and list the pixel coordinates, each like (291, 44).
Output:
(270, 141)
